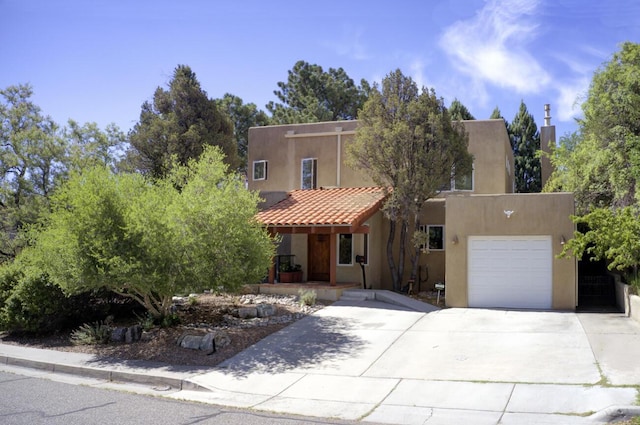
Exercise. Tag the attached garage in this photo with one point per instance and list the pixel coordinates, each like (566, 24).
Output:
(510, 272)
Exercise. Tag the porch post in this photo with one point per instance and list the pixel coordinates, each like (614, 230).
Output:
(272, 271)
(332, 259)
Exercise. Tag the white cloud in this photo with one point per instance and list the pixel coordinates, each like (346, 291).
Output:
(491, 47)
(350, 44)
(570, 97)
(417, 73)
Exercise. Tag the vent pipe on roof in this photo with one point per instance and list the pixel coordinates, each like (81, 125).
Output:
(547, 144)
(547, 115)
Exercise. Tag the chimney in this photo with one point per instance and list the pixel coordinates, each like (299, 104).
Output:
(547, 144)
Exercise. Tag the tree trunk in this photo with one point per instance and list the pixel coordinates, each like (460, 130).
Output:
(415, 254)
(392, 264)
(401, 253)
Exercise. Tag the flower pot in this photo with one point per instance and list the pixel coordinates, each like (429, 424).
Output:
(291, 277)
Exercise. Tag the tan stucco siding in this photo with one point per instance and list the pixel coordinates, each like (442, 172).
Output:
(285, 146)
(489, 144)
(533, 214)
(432, 263)
(349, 273)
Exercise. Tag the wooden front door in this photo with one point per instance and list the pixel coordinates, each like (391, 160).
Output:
(319, 257)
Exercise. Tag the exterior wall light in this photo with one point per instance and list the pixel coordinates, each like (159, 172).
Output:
(454, 240)
(508, 213)
(562, 240)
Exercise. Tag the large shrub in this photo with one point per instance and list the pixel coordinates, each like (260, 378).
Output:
(145, 240)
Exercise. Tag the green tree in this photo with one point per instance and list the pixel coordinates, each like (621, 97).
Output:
(88, 146)
(243, 116)
(179, 122)
(31, 157)
(525, 142)
(496, 114)
(150, 241)
(459, 112)
(601, 164)
(312, 95)
(406, 141)
(36, 155)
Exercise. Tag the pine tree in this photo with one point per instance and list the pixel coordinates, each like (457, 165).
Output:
(525, 142)
(179, 122)
(459, 112)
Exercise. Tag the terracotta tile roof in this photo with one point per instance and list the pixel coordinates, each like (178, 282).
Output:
(324, 207)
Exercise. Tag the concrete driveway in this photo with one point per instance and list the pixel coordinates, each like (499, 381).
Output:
(376, 362)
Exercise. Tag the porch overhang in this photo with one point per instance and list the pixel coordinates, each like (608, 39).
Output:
(324, 211)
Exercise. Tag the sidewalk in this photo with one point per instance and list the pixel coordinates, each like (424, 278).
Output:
(377, 362)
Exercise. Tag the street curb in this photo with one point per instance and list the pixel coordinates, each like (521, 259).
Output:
(103, 374)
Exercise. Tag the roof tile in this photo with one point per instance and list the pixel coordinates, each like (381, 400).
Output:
(322, 207)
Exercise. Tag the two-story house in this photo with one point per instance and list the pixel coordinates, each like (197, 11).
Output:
(492, 247)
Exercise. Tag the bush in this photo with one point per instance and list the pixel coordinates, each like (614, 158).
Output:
(33, 304)
(30, 302)
(307, 297)
(91, 333)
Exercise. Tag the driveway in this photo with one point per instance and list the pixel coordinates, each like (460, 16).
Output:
(366, 359)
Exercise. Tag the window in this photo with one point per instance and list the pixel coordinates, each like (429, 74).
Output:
(309, 171)
(259, 170)
(462, 182)
(365, 248)
(435, 237)
(345, 250)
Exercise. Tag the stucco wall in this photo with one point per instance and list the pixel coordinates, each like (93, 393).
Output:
(432, 262)
(533, 214)
(349, 273)
(489, 144)
(284, 147)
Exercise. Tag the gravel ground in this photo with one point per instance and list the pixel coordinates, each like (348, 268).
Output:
(208, 313)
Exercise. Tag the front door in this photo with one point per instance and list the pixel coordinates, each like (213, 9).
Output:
(319, 261)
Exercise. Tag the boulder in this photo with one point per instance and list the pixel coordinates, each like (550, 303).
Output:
(247, 312)
(117, 334)
(265, 310)
(191, 342)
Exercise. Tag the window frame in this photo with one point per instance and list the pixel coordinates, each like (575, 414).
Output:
(314, 172)
(426, 228)
(339, 250)
(365, 248)
(266, 168)
(451, 187)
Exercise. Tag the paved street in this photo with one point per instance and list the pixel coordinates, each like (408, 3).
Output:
(34, 401)
(376, 362)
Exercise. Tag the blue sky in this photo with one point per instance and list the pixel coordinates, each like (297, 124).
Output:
(100, 60)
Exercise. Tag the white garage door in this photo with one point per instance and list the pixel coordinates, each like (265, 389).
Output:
(510, 271)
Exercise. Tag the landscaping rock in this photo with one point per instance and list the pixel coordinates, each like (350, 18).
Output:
(191, 342)
(117, 334)
(127, 335)
(209, 342)
(133, 334)
(247, 312)
(265, 310)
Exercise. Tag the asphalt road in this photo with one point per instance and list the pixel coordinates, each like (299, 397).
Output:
(30, 401)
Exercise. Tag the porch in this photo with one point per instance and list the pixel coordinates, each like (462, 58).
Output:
(324, 290)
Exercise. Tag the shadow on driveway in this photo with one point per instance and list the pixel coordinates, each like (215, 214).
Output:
(307, 342)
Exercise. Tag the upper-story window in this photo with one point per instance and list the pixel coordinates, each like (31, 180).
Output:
(259, 170)
(309, 172)
(461, 182)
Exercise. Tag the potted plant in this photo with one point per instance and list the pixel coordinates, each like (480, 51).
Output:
(290, 273)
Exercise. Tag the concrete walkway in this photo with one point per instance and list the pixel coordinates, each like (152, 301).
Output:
(373, 361)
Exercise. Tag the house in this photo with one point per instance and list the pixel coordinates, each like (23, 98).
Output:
(492, 247)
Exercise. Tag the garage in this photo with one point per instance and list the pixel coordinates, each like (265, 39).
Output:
(510, 272)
